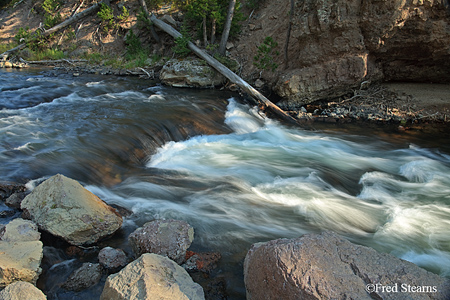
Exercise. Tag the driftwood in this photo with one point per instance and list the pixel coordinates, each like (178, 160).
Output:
(61, 25)
(55, 61)
(230, 75)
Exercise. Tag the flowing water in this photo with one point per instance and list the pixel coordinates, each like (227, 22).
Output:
(236, 177)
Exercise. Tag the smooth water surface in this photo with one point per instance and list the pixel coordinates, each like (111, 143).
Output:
(236, 177)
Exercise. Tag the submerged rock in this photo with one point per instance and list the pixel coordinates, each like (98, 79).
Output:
(64, 208)
(151, 276)
(87, 275)
(170, 238)
(190, 73)
(328, 267)
(22, 290)
(21, 252)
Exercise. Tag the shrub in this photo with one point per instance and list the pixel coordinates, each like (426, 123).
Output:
(264, 59)
(181, 43)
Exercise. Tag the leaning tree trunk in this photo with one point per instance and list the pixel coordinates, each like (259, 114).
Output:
(247, 88)
(61, 25)
(226, 30)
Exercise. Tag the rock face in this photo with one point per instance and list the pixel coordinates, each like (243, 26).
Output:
(64, 208)
(169, 238)
(328, 267)
(21, 252)
(151, 277)
(334, 46)
(190, 73)
(21, 290)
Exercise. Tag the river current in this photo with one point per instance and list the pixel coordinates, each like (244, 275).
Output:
(235, 176)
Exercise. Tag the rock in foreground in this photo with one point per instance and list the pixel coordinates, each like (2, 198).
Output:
(151, 277)
(170, 238)
(21, 253)
(64, 208)
(328, 267)
(21, 290)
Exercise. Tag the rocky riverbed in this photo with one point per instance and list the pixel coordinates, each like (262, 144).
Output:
(313, 266)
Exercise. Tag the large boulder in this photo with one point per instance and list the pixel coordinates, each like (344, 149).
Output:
(64, 208)
(21, 290)
(151, 277)
(190, 73)
(21, 252)
(329, 267)
(170, 238)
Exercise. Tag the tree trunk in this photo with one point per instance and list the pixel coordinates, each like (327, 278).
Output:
(247, 88)
(226, 30)
(61, 25)
(213, 31)
(205, 37)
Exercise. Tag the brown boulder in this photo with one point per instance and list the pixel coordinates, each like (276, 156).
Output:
(329, 267)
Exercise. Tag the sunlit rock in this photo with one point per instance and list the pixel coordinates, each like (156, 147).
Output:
(64, 208)
(151, 277)
(169, 238)
(329, 267)
(190, 73)
(21, 252)
(21, 290)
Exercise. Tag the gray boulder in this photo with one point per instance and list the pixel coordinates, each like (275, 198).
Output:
(87, 275)
(169, 238)
(21, 252)
(21, 290)
(112, 259)
(64, 208)
(190, 73)
(329, 267)
(151, 277)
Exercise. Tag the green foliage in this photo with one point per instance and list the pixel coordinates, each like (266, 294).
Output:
(124, 15)
(51, 6)
(231, 64)
(154, 4)
(23, 36)
(50, 21)
(264, 59)
(181, 43)
(216, 10)
(142, 20)
(107, 17)
(94, 58)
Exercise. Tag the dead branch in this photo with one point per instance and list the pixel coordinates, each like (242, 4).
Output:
(247, 88)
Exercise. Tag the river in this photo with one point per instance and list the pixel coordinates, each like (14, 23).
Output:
(235, 176)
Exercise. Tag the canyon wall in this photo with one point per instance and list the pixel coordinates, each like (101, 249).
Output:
(335, 45)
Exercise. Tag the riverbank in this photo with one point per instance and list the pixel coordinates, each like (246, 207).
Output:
(406, 106)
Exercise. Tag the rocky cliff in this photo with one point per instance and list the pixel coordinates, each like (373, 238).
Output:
(335, 45)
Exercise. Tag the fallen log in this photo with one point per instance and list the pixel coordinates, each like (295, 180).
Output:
(230, 75)
(54, 61)
(61, 25)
